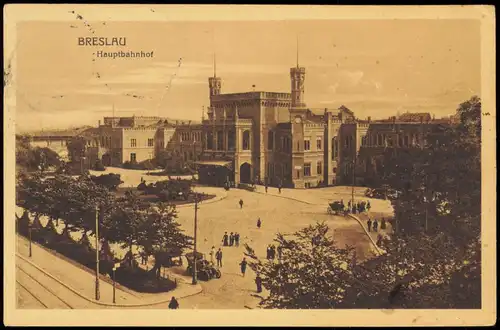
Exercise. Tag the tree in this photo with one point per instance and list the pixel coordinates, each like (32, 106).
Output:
(76, 148)
(111, 181)
(44, 158)
(162, 234)
(312, 273)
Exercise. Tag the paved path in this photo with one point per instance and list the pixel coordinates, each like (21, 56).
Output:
(287, 212)
(77, 286)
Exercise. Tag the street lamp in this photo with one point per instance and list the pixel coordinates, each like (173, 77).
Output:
(195, 280)
(97, 292)
(29, 234)
(353, 182)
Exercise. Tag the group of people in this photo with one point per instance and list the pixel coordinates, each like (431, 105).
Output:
(271, 252)
(358, 207)
(217, 255)
(231, 240)
(374, 224)
(266, 187)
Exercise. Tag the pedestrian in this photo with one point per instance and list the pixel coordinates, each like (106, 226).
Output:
(225, 239)
(212, 254)
(349, 205)
(237, 239)
(241, 203)
(273, 252)
(268, 252)
(231, 239)
(279, 188)
(218, 256)
(342, 204)
(280, 252)
(259, 223)
(383, 225)
(174, 304)
(368, 206)
(369, 223)
(375, 225)
(379, 240)
(266, 188)
(243, 265)
(258, 281)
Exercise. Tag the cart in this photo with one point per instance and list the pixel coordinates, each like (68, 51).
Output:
(205, 270)
(335, 208)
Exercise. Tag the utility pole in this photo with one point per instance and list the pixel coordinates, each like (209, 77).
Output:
(29, 231)
(353, 182)
(195, 280)
(97, 292)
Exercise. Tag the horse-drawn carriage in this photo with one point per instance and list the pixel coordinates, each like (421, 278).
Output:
(335, 208)
(205, 270)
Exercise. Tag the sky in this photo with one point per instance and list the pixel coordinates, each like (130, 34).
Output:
(374, 67)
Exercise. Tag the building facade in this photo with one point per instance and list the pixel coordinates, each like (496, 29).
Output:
(261, 137)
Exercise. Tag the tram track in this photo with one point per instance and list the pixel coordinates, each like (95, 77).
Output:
(58, 301)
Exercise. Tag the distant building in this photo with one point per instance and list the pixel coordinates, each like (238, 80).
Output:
(258, 136)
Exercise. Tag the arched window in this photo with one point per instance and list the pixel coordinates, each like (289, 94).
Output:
(246, 140)
(270, 140)
(231, 140)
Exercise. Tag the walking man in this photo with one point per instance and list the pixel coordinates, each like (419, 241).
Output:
(369, 223)
(212, 254)
(225, 239)
(243, 265)
(218, 256)
(174, 304)
(266, 188)
(241, 203)
(368, 206)
(237, 239)
(375, 225)
(259, 223)
(279, 188)
(231, 239)
(273, 252)
(258, 281)
(268, 252)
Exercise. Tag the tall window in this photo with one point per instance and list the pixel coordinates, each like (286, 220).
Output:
(307, 145)
(307, 169)
(246, 140)
(231, 140)
(150, 142)
(270, 140)
(220, 140)
(406, 141)
(318, 143)
(335, 148)
(133, 158)
(319, 168)
(133, 143)
(364, 140)
(210, 140)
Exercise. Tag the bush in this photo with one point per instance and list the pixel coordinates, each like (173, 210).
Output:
(110, 181)
(99, 166)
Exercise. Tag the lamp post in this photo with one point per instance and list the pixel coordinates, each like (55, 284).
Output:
(116, 265)
(29, 234)
(195, 280)
(97, 292)
(353, 182)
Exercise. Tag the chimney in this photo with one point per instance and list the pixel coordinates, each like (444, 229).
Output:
(369, 118)
(99, 123)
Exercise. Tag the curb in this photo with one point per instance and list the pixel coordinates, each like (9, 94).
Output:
(286, 197)
(96, 301)
(213, 200)
(379, 251)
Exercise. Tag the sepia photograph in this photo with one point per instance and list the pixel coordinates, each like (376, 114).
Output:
(185, 158)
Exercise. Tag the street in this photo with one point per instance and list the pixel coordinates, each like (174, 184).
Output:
(283, 213)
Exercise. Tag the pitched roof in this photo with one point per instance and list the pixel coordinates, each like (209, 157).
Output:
(61, 132)
(415, 116)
